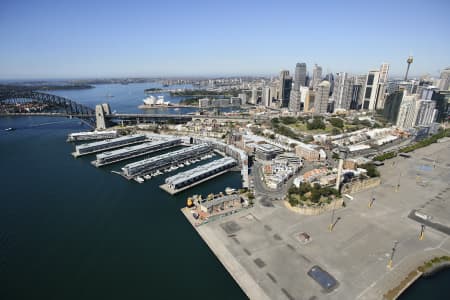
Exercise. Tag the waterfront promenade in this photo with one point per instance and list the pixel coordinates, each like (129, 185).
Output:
(261, 246)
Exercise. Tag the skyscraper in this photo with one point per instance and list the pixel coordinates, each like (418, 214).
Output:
(370, 90)
(357, 91)
(316, 76)
(342, 93)
(299, 81)
(375, 88)
(382, 86)
(321, 97)
(392, 106)
(299, 76)
(285, 87)
(444, 81)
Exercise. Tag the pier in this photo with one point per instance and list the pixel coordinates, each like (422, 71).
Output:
(185, 180)
(115, 156)
(95, 147)
(162, 161)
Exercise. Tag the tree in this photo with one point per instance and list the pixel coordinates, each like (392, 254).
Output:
(337, 122)
(335, 131)
(316, 123)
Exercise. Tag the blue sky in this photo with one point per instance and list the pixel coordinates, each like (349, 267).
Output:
(70, 39)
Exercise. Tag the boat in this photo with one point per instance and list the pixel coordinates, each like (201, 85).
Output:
(139, 179)
(147, 177)
(229, 191)
(9, 129)
(181, 165)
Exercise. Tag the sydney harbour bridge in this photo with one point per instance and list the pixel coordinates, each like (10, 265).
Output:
(57, 106)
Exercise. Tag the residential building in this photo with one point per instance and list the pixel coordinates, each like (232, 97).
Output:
(406, 118)
(392, 106)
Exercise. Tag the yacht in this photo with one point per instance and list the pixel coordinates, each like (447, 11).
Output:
(139, 179)
(147, 177)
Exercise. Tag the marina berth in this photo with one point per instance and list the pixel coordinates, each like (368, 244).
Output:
(91, 135)
(134, 151)
(164, 161)
(108, 144)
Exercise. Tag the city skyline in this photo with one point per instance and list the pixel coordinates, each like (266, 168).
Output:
(110, 39)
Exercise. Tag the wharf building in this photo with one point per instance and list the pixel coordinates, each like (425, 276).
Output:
(108, 144)
(91, 135)
(230, 150)
(199, 174)
(219, 204)
(164, 160)
(114, 156)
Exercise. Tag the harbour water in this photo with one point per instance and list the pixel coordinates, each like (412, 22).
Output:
(434, 287)
(69, 230)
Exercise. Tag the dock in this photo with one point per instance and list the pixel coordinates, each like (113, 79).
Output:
(91, 135)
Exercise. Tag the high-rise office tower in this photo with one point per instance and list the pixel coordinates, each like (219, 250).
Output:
(444, 81)
(285, 88)
(375, 88)
(254, 97)
(382, 86)
(392, 106)
(321, 96)
(316, 76)
(299, 76)
(299, 81)
(357, 91)
(342, 93)
(371, 90)
(330, 78)
(266, 96)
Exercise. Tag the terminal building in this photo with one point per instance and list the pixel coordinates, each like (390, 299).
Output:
(134, 151)
(91, 135)
(108, 144)
(164, 160)
(195, 175)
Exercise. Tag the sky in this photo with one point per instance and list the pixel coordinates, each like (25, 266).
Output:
(90, 39)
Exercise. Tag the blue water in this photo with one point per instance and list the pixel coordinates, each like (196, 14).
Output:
(436, 287)
(69, 230)
(126, 98)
